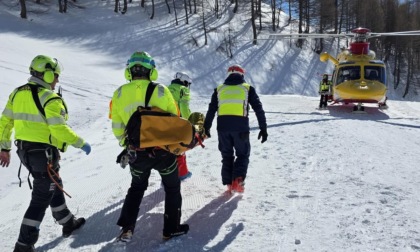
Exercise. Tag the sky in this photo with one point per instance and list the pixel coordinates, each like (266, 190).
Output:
(326, 180)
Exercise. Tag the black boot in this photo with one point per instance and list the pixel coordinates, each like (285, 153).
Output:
(171, 226)
(181, 229)
(19, 247)
(72, 225)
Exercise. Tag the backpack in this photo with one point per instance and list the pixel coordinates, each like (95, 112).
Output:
(152, 127)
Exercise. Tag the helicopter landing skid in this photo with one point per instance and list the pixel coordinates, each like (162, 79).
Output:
(359, 109)
(382, 106)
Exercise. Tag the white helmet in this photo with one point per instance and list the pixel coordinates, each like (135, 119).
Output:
(183, 77)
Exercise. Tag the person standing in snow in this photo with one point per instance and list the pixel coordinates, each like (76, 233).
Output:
(324, 91)
(180, 89)
(141, 72)
(231, 101)
(39, 117)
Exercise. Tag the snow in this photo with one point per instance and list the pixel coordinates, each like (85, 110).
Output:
(326, 180)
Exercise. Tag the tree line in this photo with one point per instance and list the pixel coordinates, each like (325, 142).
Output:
(307, 16)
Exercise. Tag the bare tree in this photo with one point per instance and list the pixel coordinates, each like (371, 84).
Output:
(279, 10)
(259, 13)
(299, 42)
(326, 11)
(335, 16)
(62, 6)
(410, 64)
(254, 28)
(216, 8)
(228, 43)
(204, 22)
(23, 9)
(390, 22)
(235, 9)
(195, 6)
(186, 11)
(118, 7)
(176, 16)
(397, 68)
(307, 8)
(273, 14)
(167, 5)
(190, 6)
(153, 10)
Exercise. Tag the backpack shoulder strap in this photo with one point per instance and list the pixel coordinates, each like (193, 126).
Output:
(149, 92)
(34, 90)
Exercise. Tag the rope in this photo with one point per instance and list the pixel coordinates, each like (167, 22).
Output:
(50, 170)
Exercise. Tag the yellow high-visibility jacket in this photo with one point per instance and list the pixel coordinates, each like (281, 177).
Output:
(128, 97)
(22, 115)
(324, 86)
(233, 99)
(181, 96)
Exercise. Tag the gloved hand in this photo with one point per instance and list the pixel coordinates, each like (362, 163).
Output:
(86, 148)
(263, 134)
(207, 132)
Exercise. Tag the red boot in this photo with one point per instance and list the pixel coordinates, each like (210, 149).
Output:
(183, 172)
(238, 185)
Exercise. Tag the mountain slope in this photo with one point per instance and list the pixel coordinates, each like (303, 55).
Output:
(324, 181)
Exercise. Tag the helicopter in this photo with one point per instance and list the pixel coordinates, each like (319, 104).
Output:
(358, 77)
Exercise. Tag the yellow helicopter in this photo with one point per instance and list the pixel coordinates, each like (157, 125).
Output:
(358, 77)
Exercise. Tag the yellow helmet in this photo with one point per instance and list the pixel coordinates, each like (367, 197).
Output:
(46, 66)
(142, 59)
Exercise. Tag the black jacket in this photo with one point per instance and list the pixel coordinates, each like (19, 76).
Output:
(235, 123)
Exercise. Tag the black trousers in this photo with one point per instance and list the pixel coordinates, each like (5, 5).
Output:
(323, 100)
(233, 144)
(44, 194)
(165, 163)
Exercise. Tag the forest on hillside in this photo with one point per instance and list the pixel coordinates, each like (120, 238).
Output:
(401, 54)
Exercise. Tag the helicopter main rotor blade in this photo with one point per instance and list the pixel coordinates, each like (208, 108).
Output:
(342, 35)
(402, 33)
(305, 35)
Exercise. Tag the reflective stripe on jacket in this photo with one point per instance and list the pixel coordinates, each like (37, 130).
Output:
(128, 97)
(22, 114)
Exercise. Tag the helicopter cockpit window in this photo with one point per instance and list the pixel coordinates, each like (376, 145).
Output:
(376, 73)
(348, 73)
